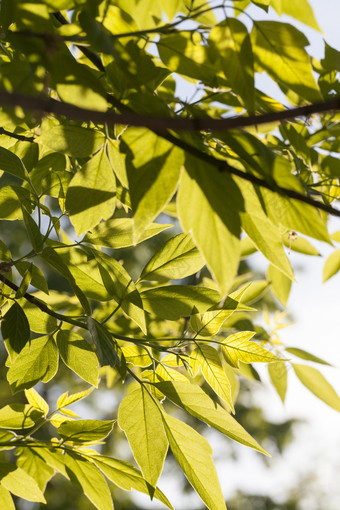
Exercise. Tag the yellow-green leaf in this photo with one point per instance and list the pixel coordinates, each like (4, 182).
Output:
(238, 348)
(37, 401)
(332, 265)
(78, 355)
(207, 358)
(177, 259)
(196, 402)
(36, 362)
(91, 195)
(140, 418)
(87, 477)
(317, 384)
(193, 454)
(19, 483)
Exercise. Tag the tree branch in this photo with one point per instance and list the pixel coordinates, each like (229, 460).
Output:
(43, 307)
(156, 124)
(161, 124)
(22, 138)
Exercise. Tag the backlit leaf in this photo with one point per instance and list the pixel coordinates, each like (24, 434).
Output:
(87, 477)
(206, 357)
(177, 259)
(77, 354)
(140, 418)
(196, 402)
(193, 454)
(36, 362)
(238, 348)
(317, 384)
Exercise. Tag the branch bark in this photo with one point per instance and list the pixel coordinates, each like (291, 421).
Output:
(44, 104)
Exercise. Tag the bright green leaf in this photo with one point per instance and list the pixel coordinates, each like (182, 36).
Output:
(238, 348)
(83, 431)
(87, 477)
(19, 483)
(177, 259)
(140, 418)
(77, 354)
(317, 384)
(36, 362)
(193, 454)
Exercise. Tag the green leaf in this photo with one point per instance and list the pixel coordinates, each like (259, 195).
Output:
(37, 401)
(196, 402)
(76, 83)
(238, 348)
(301, 11)
(15, 330)
(153, 172)
(193, 454)
(19, 483)
(278, 376)
(121, 287)
(33, 231)
(295, 216)
(77, 354)
(177, 259)
(299, 244)
(31, 462)
(127, 477)
(300, 353)
(281, 285)
(87, 477)
(137, 355)
(18, 416)
(231, 39)
(54, 458)
(6, 501)
(255, 291)
(52, 257)
(118, 233)
(91, 195)
(317, 384)
(208, 206)
(39, 321)
(207, 358)
(265, 236)
(106, 346)
(175, 301)
(72, 140)
(336, 236)
(10, 208)
(279, 49)
(36, 362)
(24, 284)
(332, 265)
(65, 399)
(184, 54)
(84, 431)
(11, 164)
(140, 418)
(37, 277)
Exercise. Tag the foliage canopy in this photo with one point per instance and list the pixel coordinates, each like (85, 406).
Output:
(99, 153)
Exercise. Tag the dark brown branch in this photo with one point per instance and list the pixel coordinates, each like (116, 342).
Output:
(49, 105)
(43, 307)
(22, 138)
(161, 124)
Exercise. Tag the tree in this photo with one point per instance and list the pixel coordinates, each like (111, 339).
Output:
(96, 144)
